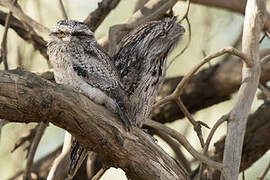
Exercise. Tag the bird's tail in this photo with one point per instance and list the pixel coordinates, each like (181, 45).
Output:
(77, 156)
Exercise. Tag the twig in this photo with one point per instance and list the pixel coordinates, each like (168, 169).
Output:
(16, 10)
(265, 91)
(99, 174)
(189, 35)
(205, 60)
(182, 140)
(213, 130)
(175, 146)
(26, 138)
(267, 33)
(243, 175)
(37, 41)
(265, 59)
(262, 38)
(3, 55)
(62, 9)
(40, 130)
(196, 124)
(208, 140)
(261, 177)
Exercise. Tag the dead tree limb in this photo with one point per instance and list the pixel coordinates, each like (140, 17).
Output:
(36, 40)
(24, 97)
(253, 25)
(95, 18)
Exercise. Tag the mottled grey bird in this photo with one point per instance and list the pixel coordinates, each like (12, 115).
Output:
(80, 63)
(141, 62)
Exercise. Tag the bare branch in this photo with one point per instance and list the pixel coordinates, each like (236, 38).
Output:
(26, 138)
(95, 18)
(62, 9)
(3, 55)
(210, 136)
(99, 174)
(196, 124)
(40, 130)
(92, 125)
(16, 10)
(262, 176)
(250, 78)
(186, 46)
(265, 91)
(188, 76)
(176, 148)
(182, 140)
(38, 42)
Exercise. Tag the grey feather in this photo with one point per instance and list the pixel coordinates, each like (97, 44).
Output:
(141, 62)
(80, 63)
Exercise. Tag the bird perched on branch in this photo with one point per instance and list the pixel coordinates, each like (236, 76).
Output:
(141, 62)
(81, 63)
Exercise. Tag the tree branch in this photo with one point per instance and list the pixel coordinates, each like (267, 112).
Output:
(95, 18)
(250, 79)
(37, 41)
(24, 97)
(212, 80)
(17, 11)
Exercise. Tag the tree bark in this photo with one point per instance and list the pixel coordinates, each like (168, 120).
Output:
(25, 97)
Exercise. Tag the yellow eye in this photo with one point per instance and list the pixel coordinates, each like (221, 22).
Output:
(61, 34)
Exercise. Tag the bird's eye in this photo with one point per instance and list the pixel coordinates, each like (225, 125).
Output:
(162, 34)
(61, 34)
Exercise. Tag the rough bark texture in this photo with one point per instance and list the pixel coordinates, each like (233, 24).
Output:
(24, 97)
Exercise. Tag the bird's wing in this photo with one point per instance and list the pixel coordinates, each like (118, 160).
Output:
(94, 69)
(130, 68)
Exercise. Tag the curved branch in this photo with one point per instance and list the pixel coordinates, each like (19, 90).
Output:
(24, 97)
(37, 41)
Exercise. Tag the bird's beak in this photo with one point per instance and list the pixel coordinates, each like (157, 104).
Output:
(67, 38)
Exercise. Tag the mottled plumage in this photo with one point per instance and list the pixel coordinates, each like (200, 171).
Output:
(80, 63)
(141, 62)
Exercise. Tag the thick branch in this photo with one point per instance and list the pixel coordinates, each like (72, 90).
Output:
(253, 149)
(24, 97)
(95, 18)
(250, 79)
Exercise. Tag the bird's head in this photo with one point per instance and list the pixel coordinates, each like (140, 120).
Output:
(68, 31)
(157, 38)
